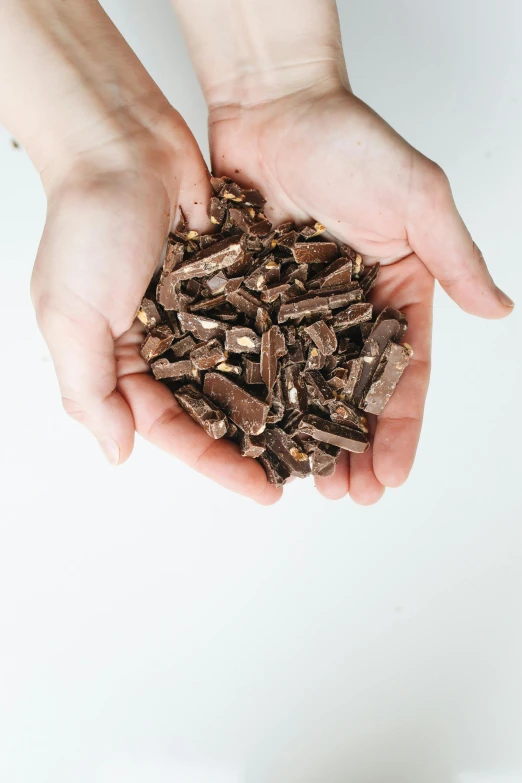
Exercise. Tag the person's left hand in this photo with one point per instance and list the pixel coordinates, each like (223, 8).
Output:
(321, 153)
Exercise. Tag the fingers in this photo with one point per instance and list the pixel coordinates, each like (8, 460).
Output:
(160, 420)
(82, 349)
(437, 234)
(336, 486)
(407, 286)
(365, 487)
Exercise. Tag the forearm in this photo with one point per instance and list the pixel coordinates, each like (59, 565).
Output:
(69, 80)
(246, 52)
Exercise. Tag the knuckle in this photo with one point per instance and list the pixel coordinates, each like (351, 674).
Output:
(74, 410)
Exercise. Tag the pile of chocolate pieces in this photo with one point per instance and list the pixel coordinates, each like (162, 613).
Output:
(265, 336)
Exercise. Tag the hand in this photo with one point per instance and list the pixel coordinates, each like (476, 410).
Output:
(320, 153)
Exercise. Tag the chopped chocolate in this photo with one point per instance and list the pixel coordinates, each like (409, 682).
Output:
(245, 410)
(355, 314)
(157, 342)
(291, 395)
(165, 369)
(202, 327)
(148, 314)
(251, 445)
(286, 450)
(206, 356)
(323, 459)
(315, 252)
(202, 410)
(322, 336)
(339, 435)
(389, 370)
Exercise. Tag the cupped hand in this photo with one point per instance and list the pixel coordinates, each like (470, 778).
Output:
(109, 212)
(321, 153)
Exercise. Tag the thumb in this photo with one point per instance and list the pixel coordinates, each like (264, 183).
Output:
(438, 235)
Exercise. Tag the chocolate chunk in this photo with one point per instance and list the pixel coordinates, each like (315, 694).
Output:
(192, 288)
(306, 305)
(252, 372)
(371, 352)
(157, 342)
(346, 414)
(244, 302)
(318, 389)
(202, 410)
(268, 272)
(296, 354)
(217, 211)
(218, 256)
(338, 299)
(286, 450)
(208, 304)
(206, 356)
(271, 347)
(183, 347)
(316, 359)
(390, 314)
(338, 273)
(273, 292)
(355, 369)
(169, 294)
(315, 252)
(216, 284)
(263, 321)
(323, 459)
(294, 389)
(276, 402)
(369, 277)
(391, 366)
(355, 314)
(276, 472)
(339, 435)
(228, 367)
(253, 197)
(242, 340)
(245, 410)
(308, 231)
(173, 256)
(165, 369)
(323, 337)
(202, 327)
(251, 445)
(148, 314)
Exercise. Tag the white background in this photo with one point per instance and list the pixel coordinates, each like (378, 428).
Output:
(311, 642)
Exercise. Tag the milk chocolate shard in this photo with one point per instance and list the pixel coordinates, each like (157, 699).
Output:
(272, 348)
(315, 252)
(305, 305)
(206, 356)
(251, 445)
(371, 352)
(157, 342)
(322, 336)
(338, 435)
(294, 389)
(218, 256)
(389, 370)
(164, 369)
(245, 410)
(148, 314)
(323, 459)
(241, 339)
(286, 450)
(202, 327)
(353, 315)
(276, 472)
(202, 410)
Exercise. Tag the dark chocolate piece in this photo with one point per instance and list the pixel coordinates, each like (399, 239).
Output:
(355, 314)
(244, 302)
(270, 353)
(148, 314)
(245, 410)
(391, 366)
(369, 277)
(157, 342)
(268, 272)
(183, 347)
(202, 410)
(241, 339)
(337, 273)
(206, 356)
(286, 450)
(318, 389)
(202, 327)
(294, 389)
(219, 256)
(343, 413)
(165, 369)
(339, 435)
(217, 211)
(276, 472)
(315, 252)
(322, 336)
(252, 372)
(263, 322)
(251, 445)
(306, 305)
(323, 459)
(316, 359)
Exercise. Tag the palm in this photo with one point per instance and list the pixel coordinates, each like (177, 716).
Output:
(338, 162)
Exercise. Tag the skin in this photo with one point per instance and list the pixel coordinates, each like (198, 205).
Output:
(117, 162)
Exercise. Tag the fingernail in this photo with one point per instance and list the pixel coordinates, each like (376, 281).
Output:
(504, 298)
(111, 450)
